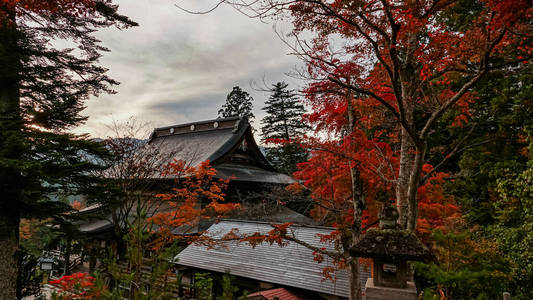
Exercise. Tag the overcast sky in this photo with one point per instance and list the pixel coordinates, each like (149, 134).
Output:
(177, 67)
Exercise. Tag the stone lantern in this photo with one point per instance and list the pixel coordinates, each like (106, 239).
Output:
(47, 264)
(390, 248)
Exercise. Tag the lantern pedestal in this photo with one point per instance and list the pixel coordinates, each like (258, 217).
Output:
(373, 292)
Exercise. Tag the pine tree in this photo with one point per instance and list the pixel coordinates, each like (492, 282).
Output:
(238, 103)
(282, 126)
(42, 92)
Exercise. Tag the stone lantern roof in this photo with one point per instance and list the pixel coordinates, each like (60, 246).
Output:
(391, 244)
(390, 248)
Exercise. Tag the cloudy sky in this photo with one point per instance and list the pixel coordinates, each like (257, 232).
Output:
(177, 67)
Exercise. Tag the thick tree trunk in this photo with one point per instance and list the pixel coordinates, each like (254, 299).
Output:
(358, 202)
(8, 256)
(414, 182)
(11, 143)
(402, 184)
(356, 292)
(407, 148)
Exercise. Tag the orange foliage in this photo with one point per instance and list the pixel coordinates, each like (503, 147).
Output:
(25, 229)
(435, 209)
(29, 227)
(197, 196)
(78, 205)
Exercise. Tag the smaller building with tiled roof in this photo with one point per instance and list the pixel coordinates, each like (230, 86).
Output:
(292, 266)
(275, 294)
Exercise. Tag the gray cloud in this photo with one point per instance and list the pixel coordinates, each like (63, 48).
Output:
(176, 67)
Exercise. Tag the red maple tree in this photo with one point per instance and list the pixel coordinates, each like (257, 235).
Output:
(403, 60)
(382, 74)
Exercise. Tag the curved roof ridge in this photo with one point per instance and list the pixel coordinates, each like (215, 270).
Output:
(215, 140)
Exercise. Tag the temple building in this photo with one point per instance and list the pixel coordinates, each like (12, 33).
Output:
(288, 272)
(229, 146)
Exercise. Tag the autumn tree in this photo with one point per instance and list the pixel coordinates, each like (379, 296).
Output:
(409, 59)
(44, 87)
(394, 74)
(238, 104)
(156, 224)
(484, 178)
(282, 127)
(197, 196)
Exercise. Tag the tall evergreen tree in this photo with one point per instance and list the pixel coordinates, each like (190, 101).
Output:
(282, 126)
(238, 103)
(42, 92)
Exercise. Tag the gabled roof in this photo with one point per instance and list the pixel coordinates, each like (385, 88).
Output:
(216, 140)
(292, 265)
(200, 141)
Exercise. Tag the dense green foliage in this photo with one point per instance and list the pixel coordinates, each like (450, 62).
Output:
(492, 181)
(211, 286)
(281, 128)
(44, 87)
(469, 268)
(514, 229)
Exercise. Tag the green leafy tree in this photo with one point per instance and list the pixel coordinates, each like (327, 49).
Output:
(492, 183)
(514, 229)
(238, 103)
(229, 290)
(499, 122)
(42, 92)
(282, 126)
(470, 267)
(203, 284)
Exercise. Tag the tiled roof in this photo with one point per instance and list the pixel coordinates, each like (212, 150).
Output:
(281, 294)
(204, 142)
(291, 265)
(213, 140)
(250, 173)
